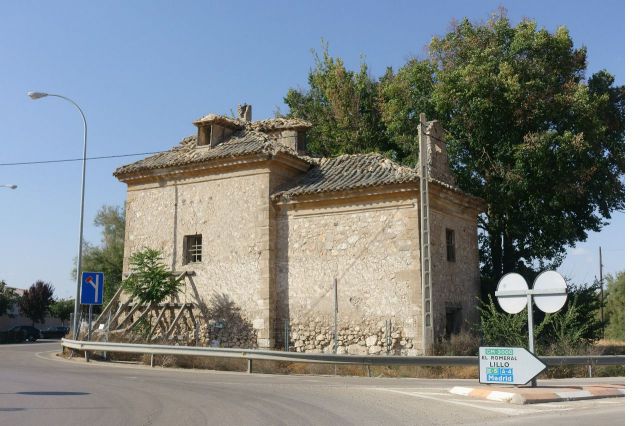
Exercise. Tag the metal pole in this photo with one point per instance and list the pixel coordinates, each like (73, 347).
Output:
(286, 335)
(335, 315)
(90, 320)
(601, 294)
(76, 308)
(531, 342)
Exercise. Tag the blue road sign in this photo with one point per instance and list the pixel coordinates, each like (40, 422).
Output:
(92, 288)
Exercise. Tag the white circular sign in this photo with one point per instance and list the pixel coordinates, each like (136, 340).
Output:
(512, 282)
(553, 282)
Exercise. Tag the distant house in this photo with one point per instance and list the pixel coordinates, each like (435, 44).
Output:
(14, 316)
(267, 227)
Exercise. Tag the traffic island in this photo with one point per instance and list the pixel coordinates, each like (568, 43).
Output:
(528, 395)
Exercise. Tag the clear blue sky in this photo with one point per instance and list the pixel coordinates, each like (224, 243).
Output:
(143, 71)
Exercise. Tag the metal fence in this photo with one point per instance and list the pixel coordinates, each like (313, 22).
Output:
(268, 355)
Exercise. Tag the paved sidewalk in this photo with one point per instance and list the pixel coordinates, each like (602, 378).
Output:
(527, 395)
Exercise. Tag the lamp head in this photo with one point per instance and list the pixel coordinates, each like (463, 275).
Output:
(37, 95)
(10, 186)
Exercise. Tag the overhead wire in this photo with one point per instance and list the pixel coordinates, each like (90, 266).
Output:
(68, 160)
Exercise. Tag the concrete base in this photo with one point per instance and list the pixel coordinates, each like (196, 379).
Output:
(527, 395)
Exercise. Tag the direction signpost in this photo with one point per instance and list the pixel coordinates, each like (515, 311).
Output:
(91, 292)
(514, 366)
(549, 293)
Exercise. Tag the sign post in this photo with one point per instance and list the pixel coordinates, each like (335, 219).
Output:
(92, 292)
(549, 294)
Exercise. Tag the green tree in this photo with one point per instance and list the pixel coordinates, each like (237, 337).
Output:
(150, 280)
(62, 309)
(529, 133)
(402, 97)
(614, 307)
(7, 298)
(527, 130)
(342, 105)
(108, 256)
(36, 300)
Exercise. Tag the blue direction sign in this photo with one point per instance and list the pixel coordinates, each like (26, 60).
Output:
(92, 288)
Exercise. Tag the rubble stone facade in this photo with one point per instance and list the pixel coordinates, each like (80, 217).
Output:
(278, 227)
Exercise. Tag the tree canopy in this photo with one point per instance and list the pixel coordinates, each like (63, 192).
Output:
(7, 298)
(62, 309)
(108, 256)
(527, 130)
(36, 300)
(150, 281)
(614, 306)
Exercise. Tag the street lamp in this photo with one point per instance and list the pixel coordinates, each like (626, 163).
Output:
(9, 186)
(76, 309)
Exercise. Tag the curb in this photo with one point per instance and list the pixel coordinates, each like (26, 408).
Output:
(538, 395)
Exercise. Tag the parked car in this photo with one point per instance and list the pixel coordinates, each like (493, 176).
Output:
(29, 333)
(55, 332)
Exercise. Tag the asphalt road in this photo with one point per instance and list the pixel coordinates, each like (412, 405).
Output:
(38, 389)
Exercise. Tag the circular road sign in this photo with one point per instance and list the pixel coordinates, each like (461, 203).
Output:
(512, 282)
(553, 282)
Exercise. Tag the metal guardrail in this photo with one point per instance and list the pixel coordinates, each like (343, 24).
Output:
(259, 354)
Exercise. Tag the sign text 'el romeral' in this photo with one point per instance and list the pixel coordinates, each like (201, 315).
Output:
(513, 366)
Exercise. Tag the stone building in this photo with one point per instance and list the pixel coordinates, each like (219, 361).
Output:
(267, 228)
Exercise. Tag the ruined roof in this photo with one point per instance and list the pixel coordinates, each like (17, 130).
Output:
(348, 172)
(280, 123)
(223, 120)
(271, 124)
(242, 142)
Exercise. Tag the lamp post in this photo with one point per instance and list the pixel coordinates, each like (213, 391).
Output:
(9, 186)
(76, 309)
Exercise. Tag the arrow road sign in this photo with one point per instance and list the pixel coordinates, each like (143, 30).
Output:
(92, 288)
(510, 366)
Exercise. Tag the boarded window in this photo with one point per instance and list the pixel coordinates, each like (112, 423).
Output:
(451, 245)
(193, 248)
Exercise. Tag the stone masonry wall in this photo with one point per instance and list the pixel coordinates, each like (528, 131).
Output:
(456, 285)
(230, 211)
(371, 246)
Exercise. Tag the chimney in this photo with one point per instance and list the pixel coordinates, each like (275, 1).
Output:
(244, 112)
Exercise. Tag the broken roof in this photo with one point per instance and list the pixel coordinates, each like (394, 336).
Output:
(324, 175)
(348, 172)
(241, 143)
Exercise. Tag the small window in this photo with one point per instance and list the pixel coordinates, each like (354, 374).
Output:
(193, 248)
(453, 320)
(451, 245)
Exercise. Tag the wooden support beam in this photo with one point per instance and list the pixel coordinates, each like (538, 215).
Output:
(139, 318)
(175, 321)
(121, 308)
(130, 314)
(164, 308)
(106, 308)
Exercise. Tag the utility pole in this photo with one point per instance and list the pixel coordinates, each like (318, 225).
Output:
(424, 141)
(335, 315)
(601, 294)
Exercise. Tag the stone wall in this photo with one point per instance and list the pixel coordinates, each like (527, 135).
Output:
(371, 246)
(231, 211)
(456, 284)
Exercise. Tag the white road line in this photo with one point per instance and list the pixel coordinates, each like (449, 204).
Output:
(501, 410)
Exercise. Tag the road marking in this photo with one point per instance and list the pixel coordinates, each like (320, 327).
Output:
(480, 406)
